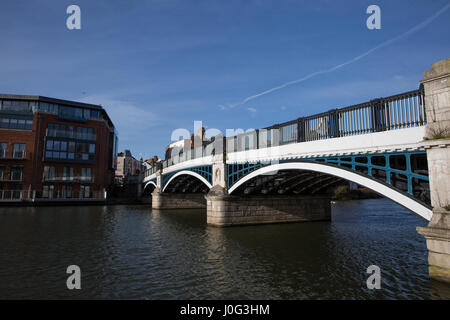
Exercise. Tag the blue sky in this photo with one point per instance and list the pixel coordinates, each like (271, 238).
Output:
(159, 65)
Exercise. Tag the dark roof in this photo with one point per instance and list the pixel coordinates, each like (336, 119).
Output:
(50, 100)
(56, 101)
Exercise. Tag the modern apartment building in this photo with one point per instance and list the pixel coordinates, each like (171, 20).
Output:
(53, 149)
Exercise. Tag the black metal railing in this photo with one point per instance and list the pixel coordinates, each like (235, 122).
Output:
(401, 111)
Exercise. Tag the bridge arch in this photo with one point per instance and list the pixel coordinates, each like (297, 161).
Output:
(149, 184)
(379, 187)
(190, 173)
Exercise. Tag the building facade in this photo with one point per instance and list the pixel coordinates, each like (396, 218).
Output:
(127, 167)
(54, 149)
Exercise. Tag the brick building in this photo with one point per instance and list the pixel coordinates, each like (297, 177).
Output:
(54, 149)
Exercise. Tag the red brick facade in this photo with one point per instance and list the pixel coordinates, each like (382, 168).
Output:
(86, 171)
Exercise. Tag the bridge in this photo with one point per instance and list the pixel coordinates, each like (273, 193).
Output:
(397, 146)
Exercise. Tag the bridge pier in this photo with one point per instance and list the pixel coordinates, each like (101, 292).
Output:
(162, 200)
(437, 144)
(230, 210)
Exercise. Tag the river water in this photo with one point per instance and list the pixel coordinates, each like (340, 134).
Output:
(134, 252)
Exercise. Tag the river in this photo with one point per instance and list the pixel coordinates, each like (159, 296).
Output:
(134, 252)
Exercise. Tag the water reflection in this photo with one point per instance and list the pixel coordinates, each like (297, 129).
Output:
(134, 252)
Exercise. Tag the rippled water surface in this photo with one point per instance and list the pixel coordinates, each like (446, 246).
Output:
(132, 252)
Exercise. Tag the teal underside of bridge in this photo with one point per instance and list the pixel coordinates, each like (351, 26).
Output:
(374, 165)
(403, 171)
(204, 171)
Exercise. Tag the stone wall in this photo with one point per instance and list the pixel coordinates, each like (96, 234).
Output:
(437, 143)
(437, 99)
(178, 200)
(230, 210)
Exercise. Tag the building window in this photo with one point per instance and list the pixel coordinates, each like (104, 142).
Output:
(86, 174)
(16, 191)
(4, 123)
(71, 151)
(2, 172)
(48, 107)
(3, 147)
(56, 149)
(47, 191)
(95, 114)
(71, 113)
(19, 151)
(14, 105)
(49, 173)
(60, 131)
(85, 191)
(14, 123)
(85, 133)
(57, 130)
(16, 173)
(66, 192)
(68, 174)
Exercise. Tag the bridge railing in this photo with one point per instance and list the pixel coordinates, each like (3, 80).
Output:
(400, 111)
(390, 113)
(151, 171)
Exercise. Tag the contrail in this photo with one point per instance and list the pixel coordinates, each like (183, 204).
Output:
(387, 42)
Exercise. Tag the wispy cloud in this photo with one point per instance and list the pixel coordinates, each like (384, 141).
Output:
(336, 67)
(252, 110)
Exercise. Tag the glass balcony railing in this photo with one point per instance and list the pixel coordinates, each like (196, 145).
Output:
(74, 179)
(70, 135)
(79, 117)
(18, 155)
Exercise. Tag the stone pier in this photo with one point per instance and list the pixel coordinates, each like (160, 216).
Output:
(232, 210)
(437, 144)
(162, 200)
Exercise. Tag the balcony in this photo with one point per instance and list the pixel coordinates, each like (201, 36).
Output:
(76, 179)
(14, 177)
(70, 135)
(13, 195)
(70, 116)
(51, 196)
(17, 155)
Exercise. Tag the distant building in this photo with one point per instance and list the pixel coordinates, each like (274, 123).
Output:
(128, 168)
(54, 149)
(128, 176)
(178, 147)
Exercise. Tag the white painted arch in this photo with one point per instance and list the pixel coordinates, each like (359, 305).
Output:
(378, 187)
(150, 182)
(188, 172)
